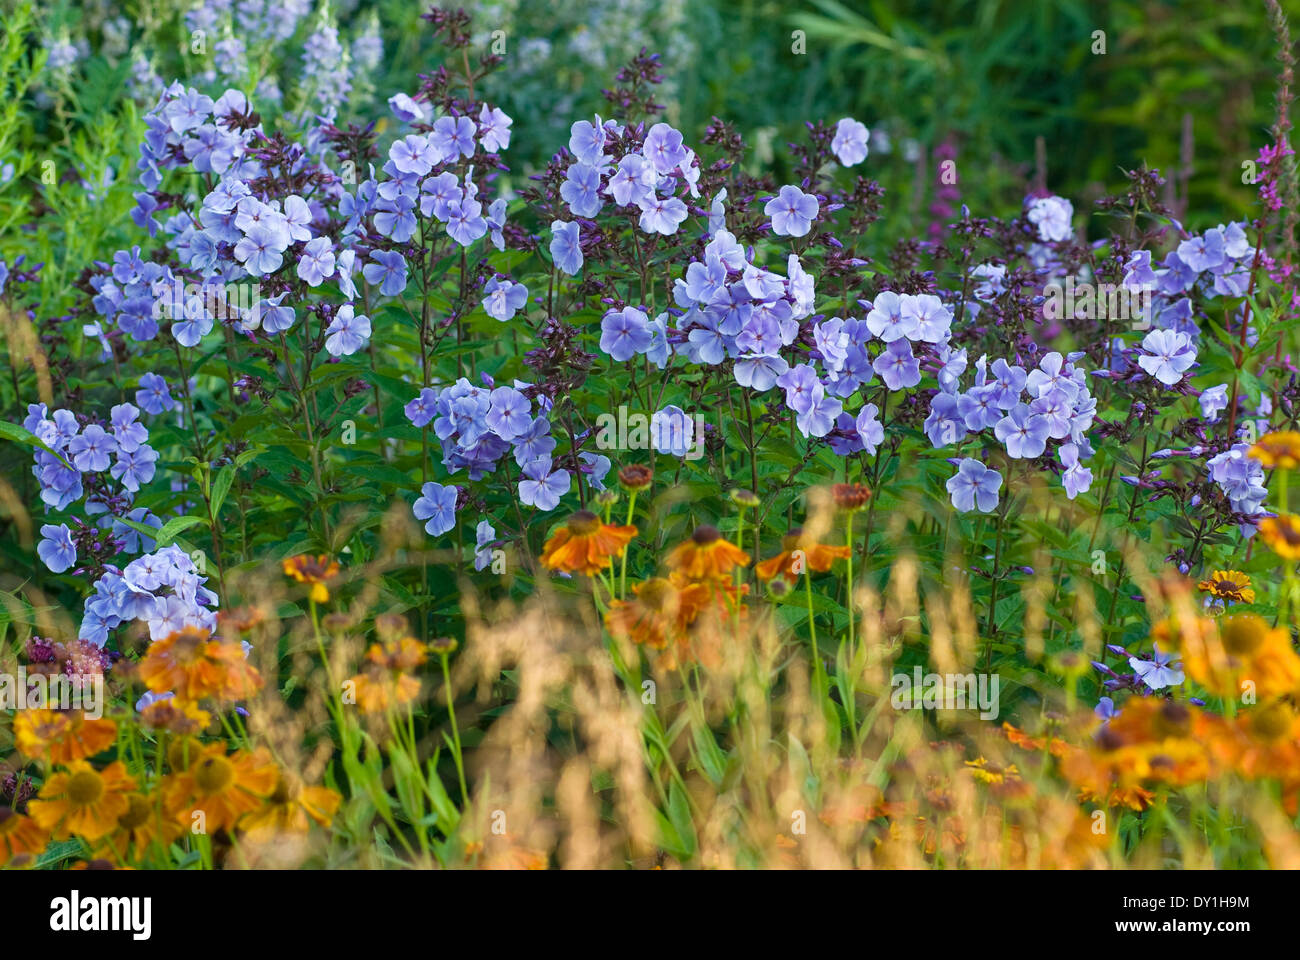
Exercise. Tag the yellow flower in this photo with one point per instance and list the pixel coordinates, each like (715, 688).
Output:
(585, 544)
(20, 836)
(1279, 449)
(990, 772)
(1229, 585)
(83, 801)
(291, 808)
(314, 570)
(195, 666)
(799, 554)
(62, 736)
(223, 788)
(1282, 533)
(706, 556)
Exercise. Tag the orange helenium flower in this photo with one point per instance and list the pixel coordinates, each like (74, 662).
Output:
(1282, 533)
(292, 808)
(798, 555)
(1232, 585)
(585, 544)
(223, 788)
(1243, 650)
(660, 612)
(20, 836)
(138, 826)
(1279, 449)
(62, 736)
(193, 665)
(706, 556)
(83, 801)
(314, 570)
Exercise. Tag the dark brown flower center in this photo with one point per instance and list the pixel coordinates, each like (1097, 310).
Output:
(705, 535)
(583, 523)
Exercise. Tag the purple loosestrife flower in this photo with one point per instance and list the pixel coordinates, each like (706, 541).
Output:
(348, 332)
(56, 549)
(974, 487)
(387, 270)
(504, 298)
(316, 262)
(436, 506)
(153, 395)
(1023, 433)
(1157, 673)
(543, 487)
(897, 367)
(792, 212)
(850, 143)
(1169, 354)
(566, 251)
(624, 333)
(91, 449)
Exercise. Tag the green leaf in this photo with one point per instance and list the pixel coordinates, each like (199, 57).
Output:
(221, 487)
(18, 434)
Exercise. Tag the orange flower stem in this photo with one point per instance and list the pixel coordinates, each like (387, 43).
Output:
(812, 631)
(622, 577)
(1288, 586)
(455, 732)
(848, 542)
